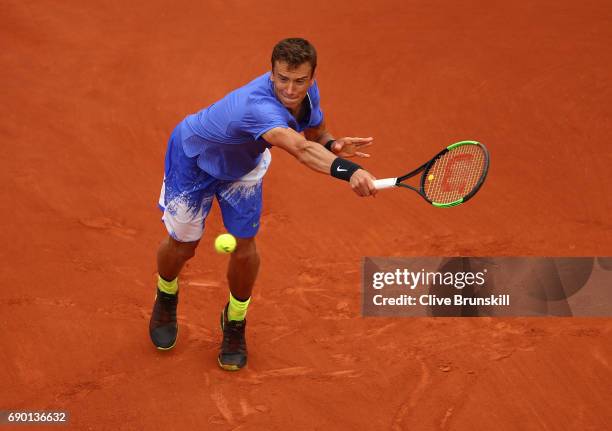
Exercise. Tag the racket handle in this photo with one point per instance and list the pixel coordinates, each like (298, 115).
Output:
(385, 183)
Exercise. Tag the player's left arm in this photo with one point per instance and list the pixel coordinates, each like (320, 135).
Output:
(319, 134)
(342, 147)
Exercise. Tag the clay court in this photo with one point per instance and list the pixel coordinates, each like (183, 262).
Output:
(91, 91)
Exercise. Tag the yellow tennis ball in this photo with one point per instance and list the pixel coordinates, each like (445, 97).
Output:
(225, 243)
(430, 177)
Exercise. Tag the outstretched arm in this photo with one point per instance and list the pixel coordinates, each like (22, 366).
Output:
(342, 147)
(317, 158)
(310, 153)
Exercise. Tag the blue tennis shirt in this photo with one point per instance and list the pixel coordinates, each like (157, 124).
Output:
(226, 136)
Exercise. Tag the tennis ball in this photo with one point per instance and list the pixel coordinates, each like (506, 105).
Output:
(430, 177)
(225, 243)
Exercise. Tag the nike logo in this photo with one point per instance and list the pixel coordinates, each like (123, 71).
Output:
(339, 169)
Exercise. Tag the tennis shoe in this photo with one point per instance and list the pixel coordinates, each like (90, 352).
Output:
(163, 328)
(233, 352)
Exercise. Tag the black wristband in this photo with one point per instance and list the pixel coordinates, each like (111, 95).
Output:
(328, 144)
(343, 169)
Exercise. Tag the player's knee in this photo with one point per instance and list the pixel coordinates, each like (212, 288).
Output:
(186, 253)
(245, 250)
(183, 250)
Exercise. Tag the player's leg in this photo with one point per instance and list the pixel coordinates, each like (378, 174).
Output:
(242, 269)
(172, 256)
(240, 204)
(186, 198)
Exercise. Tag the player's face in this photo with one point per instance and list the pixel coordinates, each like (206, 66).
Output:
(291, 84)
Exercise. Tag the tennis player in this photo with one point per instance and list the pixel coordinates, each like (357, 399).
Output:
(223, 151)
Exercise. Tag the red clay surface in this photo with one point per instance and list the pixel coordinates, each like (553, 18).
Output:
(91, 91)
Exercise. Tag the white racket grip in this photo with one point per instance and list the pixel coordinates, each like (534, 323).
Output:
(385, 183)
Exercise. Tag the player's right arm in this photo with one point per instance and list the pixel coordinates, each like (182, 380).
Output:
(317, 158)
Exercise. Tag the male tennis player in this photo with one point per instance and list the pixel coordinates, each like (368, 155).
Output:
(223, 151)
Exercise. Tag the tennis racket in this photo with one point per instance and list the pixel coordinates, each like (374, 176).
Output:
(450, 178)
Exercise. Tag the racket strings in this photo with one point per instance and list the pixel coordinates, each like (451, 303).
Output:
(455, 174)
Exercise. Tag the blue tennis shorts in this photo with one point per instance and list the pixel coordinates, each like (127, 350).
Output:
(187, 194)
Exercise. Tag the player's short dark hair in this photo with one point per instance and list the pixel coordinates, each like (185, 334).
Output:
(295, 51)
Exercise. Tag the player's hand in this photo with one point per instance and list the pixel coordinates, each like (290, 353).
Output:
(351, 147)
(362, 183)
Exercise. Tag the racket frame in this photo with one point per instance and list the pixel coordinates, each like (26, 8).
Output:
(425, 167)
